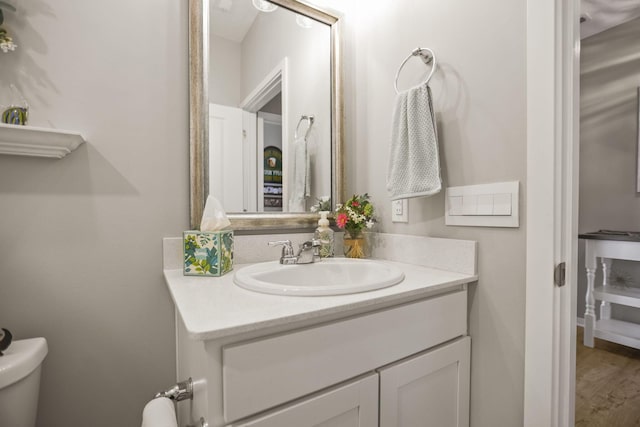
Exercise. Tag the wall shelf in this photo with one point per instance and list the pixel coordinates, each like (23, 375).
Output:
(37, 142)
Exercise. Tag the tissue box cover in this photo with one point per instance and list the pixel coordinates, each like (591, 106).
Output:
(208, 253)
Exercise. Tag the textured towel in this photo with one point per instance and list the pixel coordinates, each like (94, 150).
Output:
(414, 163)
(301, 180)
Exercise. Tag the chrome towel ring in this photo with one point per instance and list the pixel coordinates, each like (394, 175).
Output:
(427, 56)
(310, 119)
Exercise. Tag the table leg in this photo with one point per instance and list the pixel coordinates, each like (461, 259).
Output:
(605, 307)
(590, 312)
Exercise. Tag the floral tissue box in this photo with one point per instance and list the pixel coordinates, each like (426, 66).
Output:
(208, 253)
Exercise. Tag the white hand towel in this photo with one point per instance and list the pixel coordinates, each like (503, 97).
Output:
(301, 188)
(159, 412)
(414, 162)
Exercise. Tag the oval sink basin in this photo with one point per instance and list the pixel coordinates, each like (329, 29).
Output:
(332, 276)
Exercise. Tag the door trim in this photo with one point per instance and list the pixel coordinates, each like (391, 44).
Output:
(551, 211)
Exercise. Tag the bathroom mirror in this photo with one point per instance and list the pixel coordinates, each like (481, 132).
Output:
(266, 114)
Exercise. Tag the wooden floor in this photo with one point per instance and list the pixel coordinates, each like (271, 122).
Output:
(607, 385)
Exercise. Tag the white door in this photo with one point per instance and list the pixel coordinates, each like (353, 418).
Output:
(430, 389)
(226, 179)
(250, 154)
(352, 405)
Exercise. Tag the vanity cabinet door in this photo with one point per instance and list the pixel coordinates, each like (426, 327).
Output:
(352, 405)
(430, 389)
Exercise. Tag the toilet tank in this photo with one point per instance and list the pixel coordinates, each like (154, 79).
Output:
(20, 382)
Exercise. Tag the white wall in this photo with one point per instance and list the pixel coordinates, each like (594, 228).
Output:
(608, 144)
(225, 71)
(479, 97)
(80, 238)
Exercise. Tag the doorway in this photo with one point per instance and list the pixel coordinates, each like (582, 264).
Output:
(271, 178)
(553, 75)
(609, 80)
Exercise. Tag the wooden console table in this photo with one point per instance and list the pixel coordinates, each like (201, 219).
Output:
(608, 245)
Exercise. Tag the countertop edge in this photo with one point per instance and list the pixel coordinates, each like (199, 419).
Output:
(318, 314)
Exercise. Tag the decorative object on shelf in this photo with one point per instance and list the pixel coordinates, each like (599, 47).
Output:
(15, 116)
(354, 217)
(18, 112)
(5, 339)
(6, 41)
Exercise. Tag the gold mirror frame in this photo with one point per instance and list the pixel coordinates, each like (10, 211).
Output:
(199, 127)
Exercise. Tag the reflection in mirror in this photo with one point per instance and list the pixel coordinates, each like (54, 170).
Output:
(266, 111)
(270, 70)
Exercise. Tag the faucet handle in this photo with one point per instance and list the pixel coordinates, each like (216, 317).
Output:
(313, 243)
(287, 248)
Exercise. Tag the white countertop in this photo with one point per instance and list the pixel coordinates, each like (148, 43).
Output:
(216, 307)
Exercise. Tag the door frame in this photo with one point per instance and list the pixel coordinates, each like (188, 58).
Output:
(553, 43)
(276, 80)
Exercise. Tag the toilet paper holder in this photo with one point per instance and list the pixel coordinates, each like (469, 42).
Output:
(178, 392)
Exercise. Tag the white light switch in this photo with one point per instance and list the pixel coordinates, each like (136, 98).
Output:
(487, 205)
(502, 204)
(455, 205)
(469, 204)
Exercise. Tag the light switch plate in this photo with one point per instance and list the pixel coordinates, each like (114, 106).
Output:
(483, 205)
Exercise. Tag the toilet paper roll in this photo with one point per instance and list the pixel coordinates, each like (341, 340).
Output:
(159, 412)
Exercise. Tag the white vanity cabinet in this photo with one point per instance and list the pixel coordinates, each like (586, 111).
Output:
(351, 405)
(431, 388)
(400, 365)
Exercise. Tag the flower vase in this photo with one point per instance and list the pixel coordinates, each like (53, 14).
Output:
(355, 244)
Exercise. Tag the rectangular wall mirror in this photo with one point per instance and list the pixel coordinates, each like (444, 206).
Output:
(266, 135)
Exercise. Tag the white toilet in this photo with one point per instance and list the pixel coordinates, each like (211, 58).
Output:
(20, 382)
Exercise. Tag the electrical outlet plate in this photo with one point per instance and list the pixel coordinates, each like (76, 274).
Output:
(400, 210)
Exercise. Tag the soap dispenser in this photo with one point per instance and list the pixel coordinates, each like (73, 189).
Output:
(325, 235)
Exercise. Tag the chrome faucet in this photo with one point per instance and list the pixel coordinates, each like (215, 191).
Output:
(308, 252)
(287, 256)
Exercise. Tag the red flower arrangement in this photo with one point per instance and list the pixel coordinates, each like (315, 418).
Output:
(355, 215)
